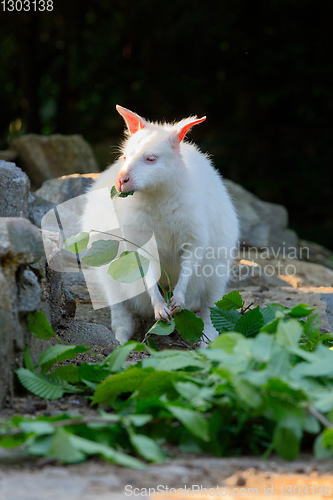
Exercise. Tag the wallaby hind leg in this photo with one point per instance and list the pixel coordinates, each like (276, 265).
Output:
(122, 323)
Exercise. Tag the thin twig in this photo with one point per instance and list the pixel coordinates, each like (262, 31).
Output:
(243, 311)
(319, 416)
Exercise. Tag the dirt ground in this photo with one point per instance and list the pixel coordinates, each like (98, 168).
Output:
(182, 477)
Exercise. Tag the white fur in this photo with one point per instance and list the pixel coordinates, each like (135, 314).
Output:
(182, 199)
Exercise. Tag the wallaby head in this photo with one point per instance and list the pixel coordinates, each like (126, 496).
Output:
(151, 155)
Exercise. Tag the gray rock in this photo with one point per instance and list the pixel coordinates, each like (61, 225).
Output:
(328, 299)
(316, 253)
(14, 191)
(38, 207)
(46, 157)
(84, 333)
(66, 187)
(26, 286)
(29, 292)
(262, 224)
(20, 293)
(60, 301)
(20, 241)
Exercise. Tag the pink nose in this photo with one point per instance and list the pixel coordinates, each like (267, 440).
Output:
(121, 181)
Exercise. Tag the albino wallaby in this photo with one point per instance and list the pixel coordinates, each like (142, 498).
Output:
(181, 198)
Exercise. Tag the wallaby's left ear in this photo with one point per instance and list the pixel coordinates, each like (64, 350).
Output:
(133, 121)
(183, 127)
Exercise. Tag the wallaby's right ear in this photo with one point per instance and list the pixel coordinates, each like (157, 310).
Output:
(133, 121)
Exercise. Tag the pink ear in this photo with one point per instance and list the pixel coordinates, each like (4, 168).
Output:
(133, 121)
(187, 127)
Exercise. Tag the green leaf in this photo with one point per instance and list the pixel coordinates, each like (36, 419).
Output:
(129, 267)
(232, 300)
(271, 327)
(27, 360)
(101, 252)
(192, 420)
(70, 373)
(116, 194)
(300, 311)
(177, 360)
(320, 450)
(250, 323)
(328, 438)
(188, 390)
(40, 385)
(280, 362)
(189, 325)
(14, 440)
(162, 327)
(312, 325)
(158, 383)
(77, 243)
(311, 424)
(40, 445)
(317, 369)
(39, 325)
(269, 312)
(139, 420)
(147, 448)
(116, 360)
(152, 345)
(286, 443)
(92, 448)
(278, 386)
(288, 333)
(248, 394)
(226, 341)
(63, 448)
(262, 347)
(224, 321)
(93, 372)
(128, 381)
(57, 353)
(38, 427)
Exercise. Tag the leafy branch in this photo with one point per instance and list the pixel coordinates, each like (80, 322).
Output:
(259, 393)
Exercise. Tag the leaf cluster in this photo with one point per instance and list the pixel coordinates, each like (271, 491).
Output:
(253, 392)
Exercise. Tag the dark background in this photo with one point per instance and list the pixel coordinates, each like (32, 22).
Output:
(261, 70)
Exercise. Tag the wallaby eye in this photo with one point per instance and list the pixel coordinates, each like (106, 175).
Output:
(151, 158)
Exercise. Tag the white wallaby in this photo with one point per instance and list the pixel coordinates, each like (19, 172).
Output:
(181, 198)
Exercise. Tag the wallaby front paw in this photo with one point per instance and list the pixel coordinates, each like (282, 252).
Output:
(177, 303)
(203, 344)
(162, 312)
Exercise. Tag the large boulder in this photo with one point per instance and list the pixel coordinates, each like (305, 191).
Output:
(262, 224)
(26, 285)
(14, 191)
(46, 157)
(20, 293)
(66, 187)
